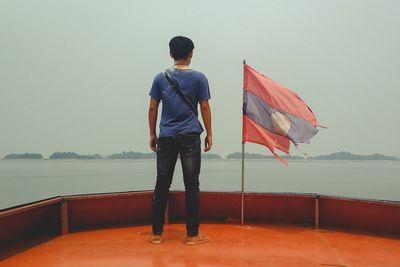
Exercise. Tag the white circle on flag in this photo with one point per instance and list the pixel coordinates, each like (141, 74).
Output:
(280, 122)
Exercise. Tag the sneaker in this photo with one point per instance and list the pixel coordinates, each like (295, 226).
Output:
(196, 240)
(156, 239)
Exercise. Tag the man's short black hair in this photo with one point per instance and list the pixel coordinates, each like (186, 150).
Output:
(180, 47)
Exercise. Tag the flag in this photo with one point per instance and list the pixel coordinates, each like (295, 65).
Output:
(274, 115)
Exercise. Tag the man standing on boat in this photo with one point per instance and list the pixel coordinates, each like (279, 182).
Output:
(180, 89)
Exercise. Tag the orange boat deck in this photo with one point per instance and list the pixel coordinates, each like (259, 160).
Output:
(281, 230)
(230, 245)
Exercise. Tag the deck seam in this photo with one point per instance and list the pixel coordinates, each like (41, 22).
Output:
(342, 260)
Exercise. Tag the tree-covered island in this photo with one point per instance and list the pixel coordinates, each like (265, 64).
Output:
(152, 155)
(132, 155)
(73, 155)
(205, 156)
(332, 156)
(238, 155)
(24, 156)
(351, 156)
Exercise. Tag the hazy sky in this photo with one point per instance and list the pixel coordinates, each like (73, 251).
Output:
(75, 74)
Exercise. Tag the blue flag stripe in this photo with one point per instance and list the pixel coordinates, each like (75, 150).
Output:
(296, 129)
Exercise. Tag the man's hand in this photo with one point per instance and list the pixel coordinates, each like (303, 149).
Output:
(153, 142)
(207, 143)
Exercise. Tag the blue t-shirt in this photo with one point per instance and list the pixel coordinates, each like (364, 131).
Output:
(177, 117)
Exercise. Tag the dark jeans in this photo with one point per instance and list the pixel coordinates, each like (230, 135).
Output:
(168, 148)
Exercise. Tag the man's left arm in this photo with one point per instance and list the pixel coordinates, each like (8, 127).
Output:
(153, 111)
(206, 115)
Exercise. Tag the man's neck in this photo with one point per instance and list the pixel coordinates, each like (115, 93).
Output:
(182, 64)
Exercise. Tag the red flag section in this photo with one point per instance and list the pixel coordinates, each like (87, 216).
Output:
(273, 115)
(254, 133)
(276, 95)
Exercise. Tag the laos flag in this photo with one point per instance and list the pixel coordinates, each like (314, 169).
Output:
(274, 115)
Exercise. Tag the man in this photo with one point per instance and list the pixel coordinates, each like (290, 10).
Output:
(180, 89)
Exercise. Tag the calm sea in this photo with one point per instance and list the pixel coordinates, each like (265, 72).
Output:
(24, 181)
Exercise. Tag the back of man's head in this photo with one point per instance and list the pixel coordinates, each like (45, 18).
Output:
(180, 47)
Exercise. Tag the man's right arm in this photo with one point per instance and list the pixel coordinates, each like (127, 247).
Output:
(153, 111)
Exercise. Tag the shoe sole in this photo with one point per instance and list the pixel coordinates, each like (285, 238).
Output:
(156, 242)
(204, 239)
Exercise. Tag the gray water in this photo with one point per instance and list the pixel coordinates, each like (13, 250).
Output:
(24, 181)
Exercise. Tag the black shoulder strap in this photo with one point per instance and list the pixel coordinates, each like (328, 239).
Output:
(175, 87)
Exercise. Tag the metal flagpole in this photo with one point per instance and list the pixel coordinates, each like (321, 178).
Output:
(242, 202)
(242, 195)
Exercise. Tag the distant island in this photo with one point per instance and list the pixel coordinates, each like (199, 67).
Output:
(238, 155)
(132, 155)
(206, 156)
(124, 155)
(351, 156)
(73, 155)
(140, 155)
(332, 156)
(24, 156)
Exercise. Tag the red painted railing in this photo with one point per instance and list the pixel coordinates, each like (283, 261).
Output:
(61, 215)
